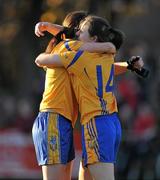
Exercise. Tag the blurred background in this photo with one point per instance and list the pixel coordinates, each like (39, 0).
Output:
(22, 83)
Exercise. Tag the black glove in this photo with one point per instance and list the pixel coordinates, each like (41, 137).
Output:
(69, 32)
(143, 72)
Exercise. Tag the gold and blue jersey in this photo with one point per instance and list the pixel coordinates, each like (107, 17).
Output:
(58, 94)
(92, 80)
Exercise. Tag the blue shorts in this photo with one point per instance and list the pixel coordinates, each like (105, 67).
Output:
(53, 139)
(100, 139)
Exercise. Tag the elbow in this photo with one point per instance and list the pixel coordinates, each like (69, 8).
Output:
(38, 62)
(113, 49)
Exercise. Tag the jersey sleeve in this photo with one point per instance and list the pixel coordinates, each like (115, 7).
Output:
(75, 61)
(70, 60)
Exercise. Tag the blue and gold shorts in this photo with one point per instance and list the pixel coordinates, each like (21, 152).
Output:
(53, 139)
(100, 139)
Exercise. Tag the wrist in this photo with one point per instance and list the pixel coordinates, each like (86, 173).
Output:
(45, 25)
(130, 66)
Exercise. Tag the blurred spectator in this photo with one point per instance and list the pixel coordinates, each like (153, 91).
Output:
(144, 125)
(25, 116)
(130, 90)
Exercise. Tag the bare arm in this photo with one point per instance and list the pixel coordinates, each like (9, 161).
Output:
(120, 67)
(49, 60)
(41, 27)
(99, 47)
(107, 47)
(51, 45)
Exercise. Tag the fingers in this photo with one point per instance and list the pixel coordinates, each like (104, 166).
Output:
(51, 45)
(139, 64)
(39, 29)
(39, 33)
(53, 40)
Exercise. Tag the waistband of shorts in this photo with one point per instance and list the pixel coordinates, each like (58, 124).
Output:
(102, 115)
(49, 110)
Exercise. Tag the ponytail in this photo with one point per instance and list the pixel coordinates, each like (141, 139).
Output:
(116, 37)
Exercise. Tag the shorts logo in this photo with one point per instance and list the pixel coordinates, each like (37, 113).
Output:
(92, 143)
(53, 143)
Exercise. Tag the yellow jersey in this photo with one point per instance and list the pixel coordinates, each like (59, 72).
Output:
(92, 83)
(58, 94)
